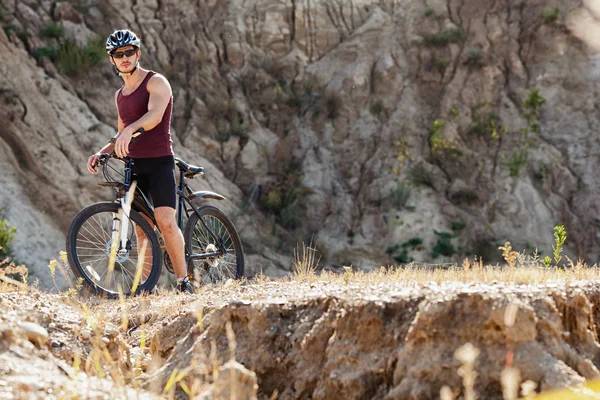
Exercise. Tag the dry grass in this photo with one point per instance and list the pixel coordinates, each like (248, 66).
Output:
(148, 313)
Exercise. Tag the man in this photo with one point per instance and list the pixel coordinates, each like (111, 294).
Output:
(145, 101)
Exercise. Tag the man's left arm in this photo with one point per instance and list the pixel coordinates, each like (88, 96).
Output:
(160, 95)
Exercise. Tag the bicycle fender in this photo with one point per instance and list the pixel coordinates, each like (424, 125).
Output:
(206, 195)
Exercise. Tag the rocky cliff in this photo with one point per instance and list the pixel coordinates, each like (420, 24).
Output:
(433, 130)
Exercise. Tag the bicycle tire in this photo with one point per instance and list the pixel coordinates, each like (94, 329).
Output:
(197, 238)
(76, 250)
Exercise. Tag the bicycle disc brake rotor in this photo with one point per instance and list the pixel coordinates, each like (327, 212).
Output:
(121, 255)
(211, 262)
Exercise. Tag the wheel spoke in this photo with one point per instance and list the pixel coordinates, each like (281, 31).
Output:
(93, 236)
(201, 237)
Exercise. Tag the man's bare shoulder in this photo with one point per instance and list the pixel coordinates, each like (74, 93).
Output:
(158, 81)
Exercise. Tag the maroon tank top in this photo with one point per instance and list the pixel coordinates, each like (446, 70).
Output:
(155, 142)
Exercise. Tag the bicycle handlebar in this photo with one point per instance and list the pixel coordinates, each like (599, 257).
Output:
(105, 156)
(133, 137)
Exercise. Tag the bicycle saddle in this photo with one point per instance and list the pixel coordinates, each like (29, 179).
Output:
(190, 171)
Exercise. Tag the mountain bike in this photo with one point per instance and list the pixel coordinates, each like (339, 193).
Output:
(110, 244)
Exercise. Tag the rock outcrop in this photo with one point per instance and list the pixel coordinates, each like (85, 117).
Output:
(352, 337)
(365, 123)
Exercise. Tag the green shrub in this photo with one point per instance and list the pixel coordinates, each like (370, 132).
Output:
(475, 58)
(7, 235)
(290, 215)
(50, 52)
(413, 243)
(443, 246)
(401, 194)
(273, 201)
(441, 65)
(9, 28)
(52, 30)
(440, 146)
(436, 126)
(392, 249)
(485, 127)
(420, 176)
(516, 161)
(74, 60)
(402, 257)
(377, 108)
(428, 12)
(457, 225)
(441, 39)
(551, 14)
(532, 105)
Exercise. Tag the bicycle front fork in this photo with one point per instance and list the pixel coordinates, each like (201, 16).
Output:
(120, 228)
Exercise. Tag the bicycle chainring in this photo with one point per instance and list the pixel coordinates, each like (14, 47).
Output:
(168, 263)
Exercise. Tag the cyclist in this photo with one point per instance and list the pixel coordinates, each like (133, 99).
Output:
(145, 101)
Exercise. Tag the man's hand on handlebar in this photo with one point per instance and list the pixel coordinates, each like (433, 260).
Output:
(124, 140)
(92, 162)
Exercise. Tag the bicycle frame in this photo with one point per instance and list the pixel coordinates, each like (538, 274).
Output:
(138, 202)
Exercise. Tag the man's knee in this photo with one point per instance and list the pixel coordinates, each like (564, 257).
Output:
(165, 218)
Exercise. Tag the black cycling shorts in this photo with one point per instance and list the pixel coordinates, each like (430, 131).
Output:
(156, 179)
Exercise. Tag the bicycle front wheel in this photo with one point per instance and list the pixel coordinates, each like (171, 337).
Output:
(90, 244)
(198, 240)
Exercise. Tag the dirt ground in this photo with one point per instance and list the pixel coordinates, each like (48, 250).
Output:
(378, 335)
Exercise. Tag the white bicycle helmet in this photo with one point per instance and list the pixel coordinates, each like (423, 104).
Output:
(121, 38)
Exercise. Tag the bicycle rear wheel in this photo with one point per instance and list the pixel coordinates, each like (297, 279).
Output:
(198, 240)
(89, 242)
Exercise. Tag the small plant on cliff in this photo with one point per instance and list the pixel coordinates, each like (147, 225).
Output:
(377, 108)
(510, 256)
(441, 39)
(475, 58)
(7, 235)
(52, 30)
(442, 65)
(516, 161)
(403, 155)
(72, 59)
(454, 111)
(486, 127)
(400, 195)
(306, 260)
(531, 108)
(551, 14)
(443, 246)
(420, 176)
(559, 239)
(428, 12)
(440, 146)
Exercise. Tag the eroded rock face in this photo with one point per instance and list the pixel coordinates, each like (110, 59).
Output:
(362, 346)
(321, 339)
(308, 114)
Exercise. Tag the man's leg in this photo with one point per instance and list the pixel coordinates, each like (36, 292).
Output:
(165, 219)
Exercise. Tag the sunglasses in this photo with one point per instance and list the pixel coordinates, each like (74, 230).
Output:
(125, 53)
